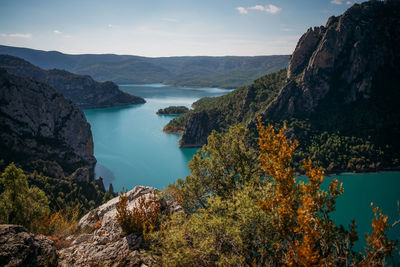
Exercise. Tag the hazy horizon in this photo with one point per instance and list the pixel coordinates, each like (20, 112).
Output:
(77, 54)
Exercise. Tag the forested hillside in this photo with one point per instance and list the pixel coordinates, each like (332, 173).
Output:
(223, 72)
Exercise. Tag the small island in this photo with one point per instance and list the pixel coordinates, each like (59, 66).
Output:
(172, 110)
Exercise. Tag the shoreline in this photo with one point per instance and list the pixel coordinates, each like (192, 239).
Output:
(326, 172)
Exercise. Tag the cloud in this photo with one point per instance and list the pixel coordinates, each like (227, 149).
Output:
(17, 35)
(257, 7)
(272, 9)
(337, 2)
(242, 10)
(268, 8)
(57, 32)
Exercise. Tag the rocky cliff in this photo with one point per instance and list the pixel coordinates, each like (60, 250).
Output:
(198, 127)
(353, 59)
(343, 78)
(42, 130)
(81, 89)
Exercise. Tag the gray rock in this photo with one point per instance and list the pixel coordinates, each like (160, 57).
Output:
(21, 248)
(105, 243)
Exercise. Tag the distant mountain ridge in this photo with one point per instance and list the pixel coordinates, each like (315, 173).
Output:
(197, 71)
(82, 90)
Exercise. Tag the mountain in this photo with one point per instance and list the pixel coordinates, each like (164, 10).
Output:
(339, 94)
(48, 136)
(82, 90)
(40, 128)
(223, 72)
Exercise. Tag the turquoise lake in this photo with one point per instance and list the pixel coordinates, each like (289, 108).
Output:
(130, 146)
(131, 150)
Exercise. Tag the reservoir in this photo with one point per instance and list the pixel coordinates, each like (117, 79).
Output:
(131, 149)
(129, 144)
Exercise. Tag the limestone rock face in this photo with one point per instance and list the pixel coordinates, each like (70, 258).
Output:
(197, 129)
(354, 57)
(304, 49)
(20, 248)
(81, 89)
(41, 129)
(103, 241)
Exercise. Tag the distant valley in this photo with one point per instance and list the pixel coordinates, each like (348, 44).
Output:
(199, 71)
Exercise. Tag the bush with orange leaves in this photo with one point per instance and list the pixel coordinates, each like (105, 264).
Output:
(244, 207)
(309, 234)
(143, 218)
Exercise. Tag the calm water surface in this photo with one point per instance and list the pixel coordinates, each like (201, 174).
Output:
(383, 189)
(130, 146)
(131, 150)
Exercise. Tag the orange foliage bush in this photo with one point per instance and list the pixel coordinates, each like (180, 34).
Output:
(175, 192)
(276, 153)
(309, 236)
(142, 219)
(379, 245)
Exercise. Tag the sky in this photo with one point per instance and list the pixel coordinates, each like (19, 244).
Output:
(159, 28)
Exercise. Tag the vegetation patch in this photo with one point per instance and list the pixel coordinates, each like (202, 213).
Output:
(172, 110)
(243, 207)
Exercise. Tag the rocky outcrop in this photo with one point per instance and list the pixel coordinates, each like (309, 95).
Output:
(353, 58)
(103, 242)
(81, 89)
(198, 127)
(21, 248)
(42, 130)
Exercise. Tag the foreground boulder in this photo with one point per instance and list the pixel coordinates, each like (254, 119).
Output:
(102, 240)
(20, 248)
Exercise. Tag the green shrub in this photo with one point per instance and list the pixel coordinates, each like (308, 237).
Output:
(19, 203)
(244, 208)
